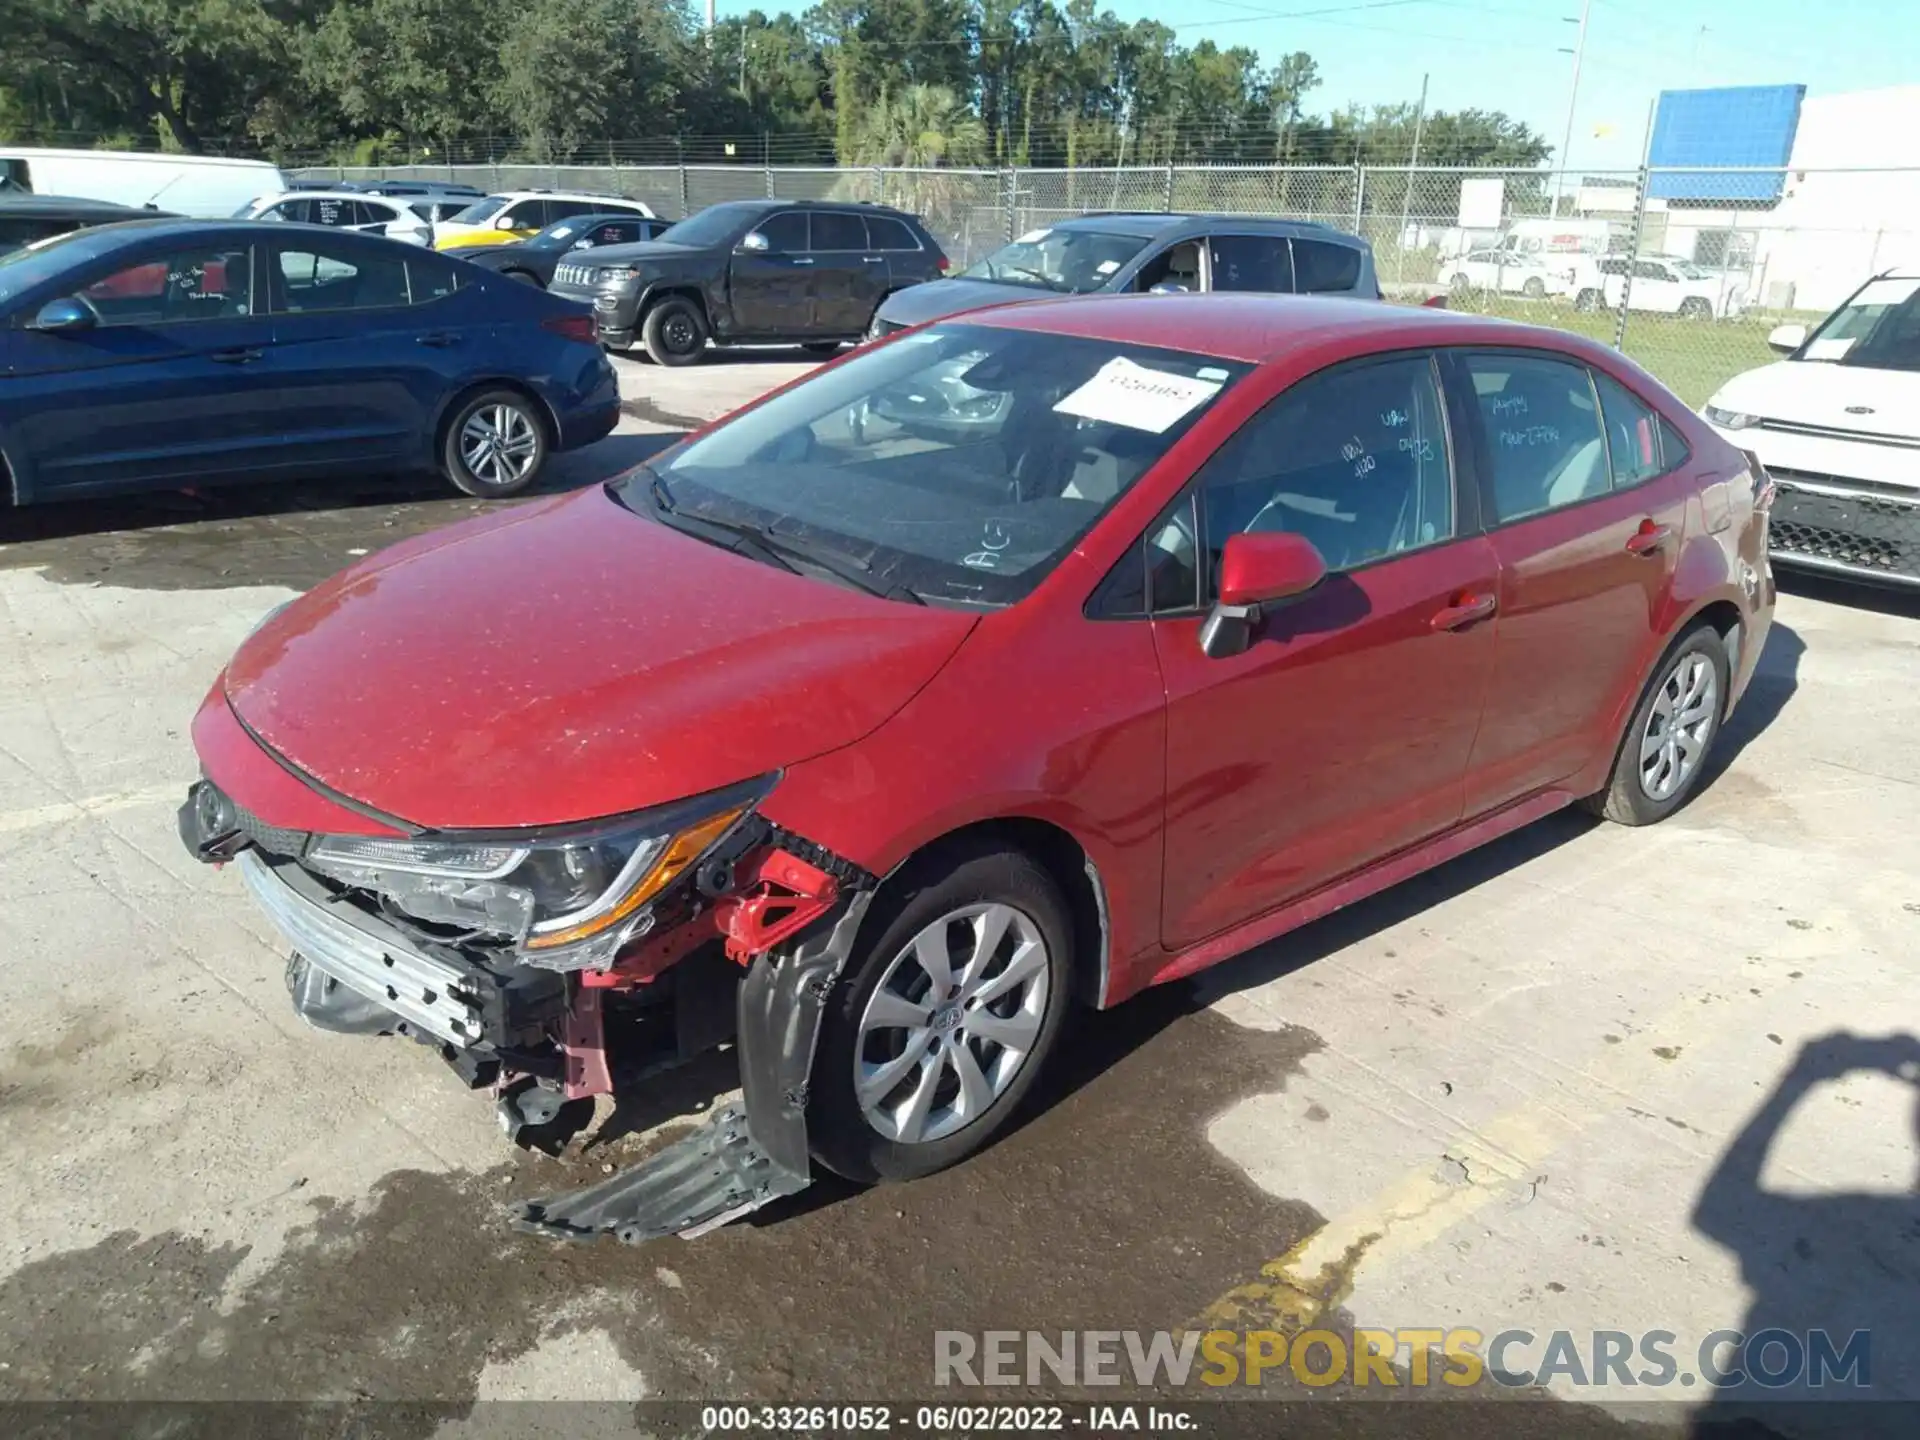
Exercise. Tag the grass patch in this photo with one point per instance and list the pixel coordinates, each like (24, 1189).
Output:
(1692, 358)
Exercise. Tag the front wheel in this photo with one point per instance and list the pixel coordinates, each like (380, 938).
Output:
(675, 332)
(1694, 308)
(1587, 301)
(1535, 288)
(1671, 734)
(526, 277)
(951, 1003)
(496, 445)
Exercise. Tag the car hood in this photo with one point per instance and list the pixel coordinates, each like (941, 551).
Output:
(568, 660)
(639, 252)
(1833, 397)
(937, 299)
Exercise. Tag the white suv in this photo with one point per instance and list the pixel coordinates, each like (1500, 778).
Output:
(1662, 285)
(1837, 425)
(1509, 272)
(341, 210)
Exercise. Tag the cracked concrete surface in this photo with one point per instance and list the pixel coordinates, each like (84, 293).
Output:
(1508, 1095)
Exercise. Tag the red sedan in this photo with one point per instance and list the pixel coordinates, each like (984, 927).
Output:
(1022, 660)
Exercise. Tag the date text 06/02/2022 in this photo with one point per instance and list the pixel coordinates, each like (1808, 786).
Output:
(946, 1419)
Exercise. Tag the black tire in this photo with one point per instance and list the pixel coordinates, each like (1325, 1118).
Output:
(1626, 800)
(1535, 288)
(821, 347)
(940, 884)
(1587, 301)
(1694, 308)
(1460, 285)
(525, 277)
(675, 332)
(530, 422)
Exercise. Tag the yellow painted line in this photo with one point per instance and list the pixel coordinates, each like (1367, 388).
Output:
(1298, 1290)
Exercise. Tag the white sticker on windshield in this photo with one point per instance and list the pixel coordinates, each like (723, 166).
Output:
(1033, 237)
(1123, 393)
(1829, 349)
(1211, 372)
(1106, 267)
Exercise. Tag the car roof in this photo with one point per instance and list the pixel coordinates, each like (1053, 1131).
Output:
(1149, 224)
(72, 207)
(393, 200)
(1256, 328)
(559, 195)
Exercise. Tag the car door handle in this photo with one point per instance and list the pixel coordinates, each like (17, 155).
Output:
(440, 339)
(1465, 610)
(1648, 538)
(238, 356)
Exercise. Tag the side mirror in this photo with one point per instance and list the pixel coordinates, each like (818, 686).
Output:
(754, 244)
(1168, 287)
(67, 316)
(1786, 338)
(1257, 570)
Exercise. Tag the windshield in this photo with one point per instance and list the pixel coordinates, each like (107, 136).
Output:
(713, 224)
(1072, 261)
(1879, 328)
(1691, 271)
(961, 463)
(26, 267)
(481, 210)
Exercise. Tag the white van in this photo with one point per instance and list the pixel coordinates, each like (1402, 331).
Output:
(206, 187)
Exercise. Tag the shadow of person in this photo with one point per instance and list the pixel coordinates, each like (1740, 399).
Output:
(1834, 1278)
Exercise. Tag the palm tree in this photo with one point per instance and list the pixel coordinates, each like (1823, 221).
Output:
(923, 127)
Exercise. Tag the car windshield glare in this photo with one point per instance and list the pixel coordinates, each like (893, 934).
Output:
(1878, 329)
(26, 267)
(961, 463)
(1071, 261)
(713, 224)
(480, 210)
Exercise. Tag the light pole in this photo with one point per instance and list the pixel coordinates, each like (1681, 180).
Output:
(1573, 94)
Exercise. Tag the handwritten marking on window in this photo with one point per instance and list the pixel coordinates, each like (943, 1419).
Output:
(1509, 405)
(1393, 419)
(1419, 449)
(1529, 436)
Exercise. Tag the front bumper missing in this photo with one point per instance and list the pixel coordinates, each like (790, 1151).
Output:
(372, 960)
(746, 1155)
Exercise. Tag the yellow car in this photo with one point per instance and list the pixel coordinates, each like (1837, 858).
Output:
(510, 217)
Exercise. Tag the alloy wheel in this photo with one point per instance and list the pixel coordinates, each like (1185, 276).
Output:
(499, 445)
(953, 1021)
(1678, 727)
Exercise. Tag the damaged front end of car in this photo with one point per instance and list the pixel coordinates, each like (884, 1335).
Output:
(552, 966)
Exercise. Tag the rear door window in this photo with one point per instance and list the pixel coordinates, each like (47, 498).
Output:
(1322, 267)
(1252, 262)
(313, 275)
(886, 233)
(836, 230)
(524, 215)
(1542, 424)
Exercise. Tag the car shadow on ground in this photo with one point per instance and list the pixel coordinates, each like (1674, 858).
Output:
(1833, 1274)
(290, 533)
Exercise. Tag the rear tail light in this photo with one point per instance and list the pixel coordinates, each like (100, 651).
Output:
(942, 265)
(572, 327)
(1434, 302)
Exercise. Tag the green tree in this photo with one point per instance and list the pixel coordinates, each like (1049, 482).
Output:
(925, 126)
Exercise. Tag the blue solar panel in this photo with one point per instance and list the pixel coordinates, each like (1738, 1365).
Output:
(1729, 127)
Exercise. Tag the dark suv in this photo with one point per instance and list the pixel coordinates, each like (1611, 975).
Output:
(1120, 253)
(753, 272)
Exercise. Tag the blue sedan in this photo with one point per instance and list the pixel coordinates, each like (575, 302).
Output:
(166, 353)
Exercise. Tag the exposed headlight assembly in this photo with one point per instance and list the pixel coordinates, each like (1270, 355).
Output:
(1730, 419)
(568, 899)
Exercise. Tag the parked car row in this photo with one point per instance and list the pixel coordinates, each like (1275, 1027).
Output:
(1648, 284)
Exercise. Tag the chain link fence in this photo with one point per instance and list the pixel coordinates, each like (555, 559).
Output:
(1686, 271)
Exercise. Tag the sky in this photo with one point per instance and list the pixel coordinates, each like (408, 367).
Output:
(1507, 54)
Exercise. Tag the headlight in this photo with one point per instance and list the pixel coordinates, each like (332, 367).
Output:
(567, 902)
(616, 274)
(1730, 419)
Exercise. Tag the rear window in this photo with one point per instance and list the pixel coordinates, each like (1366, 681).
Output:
(1320, 266)
(886, 233)
(835, 230)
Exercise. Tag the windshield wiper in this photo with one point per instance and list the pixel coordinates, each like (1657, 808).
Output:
(772, 548)
(1050, 284)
